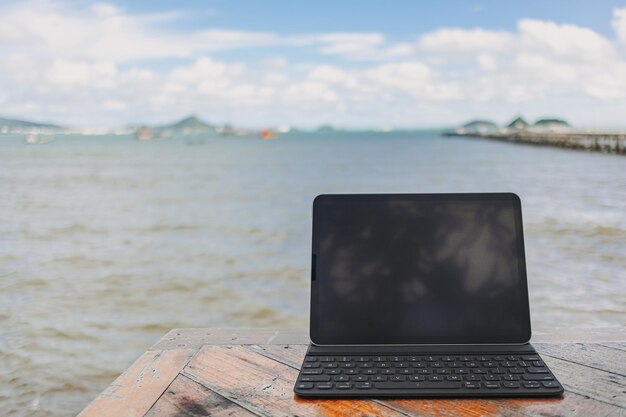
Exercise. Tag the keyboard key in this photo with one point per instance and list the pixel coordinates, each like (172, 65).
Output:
(472, 385)
(370, 371)
(365, 365)
(461, 371)
(531, 384)
(348, 365)
(310, 359)
(388, 371)
(550, 384)
(454, 378)
(327, 359)
(537, 377)
(401, 364)
(408, 371)
(315, 378)
(329, 365)
(435, 378)
(397, 378)
(332, 371)
(379, 358)
(414, 358)
(537, 363)
(379, 378)
(343, 385)
(311, 365)
(396, 358)
(537, 370)
(472, 378)
(363, 385)
(345, 359)
(341, 378)
(531, 358)
(351, 371)
(417, 378)
(311, 372)
(510, 384)
(360, 378)
(417, 385)
(362, 359)
(479, 371)
(324, 385)
(304, 385)
(491, 378)
(511, 377)
(491, 385)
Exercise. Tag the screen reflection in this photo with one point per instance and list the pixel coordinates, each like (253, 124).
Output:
(417, 269)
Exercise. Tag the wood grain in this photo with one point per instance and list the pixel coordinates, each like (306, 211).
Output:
(137, 389)
(589, 354)
(265, 386)
(251, 373)
(187, 398)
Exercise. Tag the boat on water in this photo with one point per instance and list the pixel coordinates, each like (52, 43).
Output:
(268, 134)
(144, 133)
(34, 139)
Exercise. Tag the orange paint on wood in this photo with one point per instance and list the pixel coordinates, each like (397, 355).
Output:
(264, 386)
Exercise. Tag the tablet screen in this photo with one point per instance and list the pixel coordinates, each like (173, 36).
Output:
(418, 268)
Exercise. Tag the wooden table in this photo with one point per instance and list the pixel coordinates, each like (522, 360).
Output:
(251, 372)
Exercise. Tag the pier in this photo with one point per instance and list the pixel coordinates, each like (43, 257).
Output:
(251, 372)
(606, 142)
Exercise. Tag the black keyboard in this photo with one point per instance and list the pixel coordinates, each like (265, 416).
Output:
(373, 375)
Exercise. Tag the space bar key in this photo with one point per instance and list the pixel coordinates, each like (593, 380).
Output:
(417, 385)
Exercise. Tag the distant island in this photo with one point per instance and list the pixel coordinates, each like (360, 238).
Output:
(545, 131)
(20, 126)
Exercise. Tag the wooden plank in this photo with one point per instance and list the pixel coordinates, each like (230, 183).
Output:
(185, 397)
(138, 388)
(589, 354)
(291, 355)
(195, 338)
(571, 404)
(579, 335)
(615, 345)
(593, 383)
(265, 386)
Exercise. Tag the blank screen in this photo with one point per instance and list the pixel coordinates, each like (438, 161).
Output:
(418, 269)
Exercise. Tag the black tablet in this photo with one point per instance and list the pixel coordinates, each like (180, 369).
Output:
(418, 269)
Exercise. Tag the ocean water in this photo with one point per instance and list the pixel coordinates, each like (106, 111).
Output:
(106, 243)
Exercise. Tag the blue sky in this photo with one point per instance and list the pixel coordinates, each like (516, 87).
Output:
(350, 63)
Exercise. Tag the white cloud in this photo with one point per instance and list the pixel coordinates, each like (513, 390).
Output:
(95, 65)
(619, 24)
(451, 40)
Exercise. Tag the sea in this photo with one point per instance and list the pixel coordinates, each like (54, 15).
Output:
(107, 242)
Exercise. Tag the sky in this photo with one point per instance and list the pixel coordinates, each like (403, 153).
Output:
(354, 64)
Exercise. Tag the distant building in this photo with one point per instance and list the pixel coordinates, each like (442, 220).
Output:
(551, 125)
(518, 124)
(478, 127)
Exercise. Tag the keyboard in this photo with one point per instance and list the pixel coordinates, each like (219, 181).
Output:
(458, 375)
